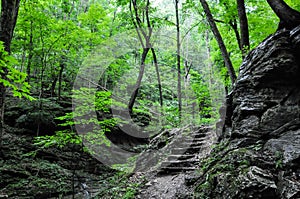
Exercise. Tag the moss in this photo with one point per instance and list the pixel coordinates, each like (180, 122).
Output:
(214, 156)
(224, 165)
(121, 185)
(34, 178)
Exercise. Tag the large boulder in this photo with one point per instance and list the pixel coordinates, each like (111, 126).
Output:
(259, 154)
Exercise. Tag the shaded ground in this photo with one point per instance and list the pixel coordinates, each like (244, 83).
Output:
(174, 180)
(168, 186)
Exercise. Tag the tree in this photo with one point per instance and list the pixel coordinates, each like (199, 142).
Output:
(143, 34)
(245, 44)
(220, 41)
(289, 18)
(9, 14)
(178, 59)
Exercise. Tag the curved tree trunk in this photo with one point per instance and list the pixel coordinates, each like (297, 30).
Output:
(289, 18)
(139, 80)
(158, 76)
(220, 41)
(144, 38)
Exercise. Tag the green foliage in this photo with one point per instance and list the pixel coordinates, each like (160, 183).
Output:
(262, 22)
(278, 160)
(42, 111)
(171, 115)
(60, 139)
(120, 185)
(103, 101)
(126, 168)
(54, 39)
(13, 78)
(94, 135)
(202, 93)
(95, 20)
(293, 4)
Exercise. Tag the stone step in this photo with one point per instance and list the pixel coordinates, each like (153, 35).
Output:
(198, 135)
(180, 157)
(193, 136)
(183, 142)
(179, 163)
(192, 144)
(202, 129)
(195, 139)
(186, 150)
(188, 145)
(166, 170)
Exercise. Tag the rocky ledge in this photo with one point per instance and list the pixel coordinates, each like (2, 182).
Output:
(259, 152)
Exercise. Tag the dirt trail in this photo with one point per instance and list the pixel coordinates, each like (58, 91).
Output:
(164, 187)
(170, 182)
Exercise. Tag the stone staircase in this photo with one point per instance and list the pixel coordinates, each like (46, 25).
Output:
(187, 150)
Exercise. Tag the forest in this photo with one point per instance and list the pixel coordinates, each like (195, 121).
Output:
(149, 99)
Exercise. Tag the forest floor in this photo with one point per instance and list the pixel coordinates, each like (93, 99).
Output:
(166, 186)
(49, 172)
(172, 181)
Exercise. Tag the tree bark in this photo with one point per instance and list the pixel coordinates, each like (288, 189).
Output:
(208, 52)
(8, 19)
(178, 60)
(139, 80)
(233, 25)
(9, 14)
(146, 35)
(61, 70)
(220, 41)
(53, 85)
(289, 18)
(245, 43)
(30, 54)
(158, 76)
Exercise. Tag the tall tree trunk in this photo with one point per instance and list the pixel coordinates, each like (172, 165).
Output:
(30, 54)
(8, 19)
(209, 63)
(233, 25)
(158, 76)
(53, 85)
(289, 18)
(61, 70)
(245, 44)
(220, 41)
(9, 14)
(139, 80)
(140, 32)
(178, 60)
(153, 52)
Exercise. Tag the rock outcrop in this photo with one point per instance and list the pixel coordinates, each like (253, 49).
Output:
(259, 154)
(30, 172)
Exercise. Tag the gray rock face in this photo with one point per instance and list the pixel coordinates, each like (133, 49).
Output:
(267, 92)
(261, 154)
